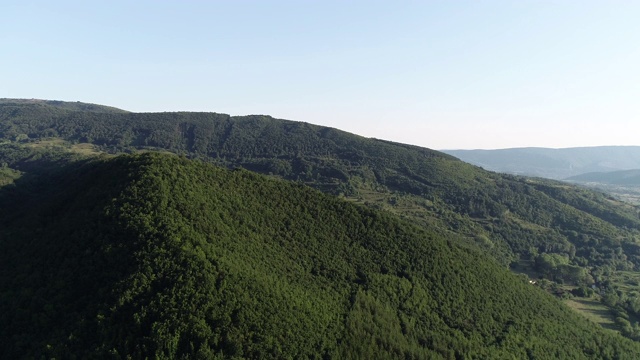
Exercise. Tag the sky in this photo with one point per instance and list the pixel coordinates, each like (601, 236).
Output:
(439, 74)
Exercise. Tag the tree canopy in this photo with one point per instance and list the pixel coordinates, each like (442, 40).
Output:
(160, 256)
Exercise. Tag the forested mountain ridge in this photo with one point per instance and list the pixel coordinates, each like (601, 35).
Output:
(563, 233)
(443, 188)
(162, 257)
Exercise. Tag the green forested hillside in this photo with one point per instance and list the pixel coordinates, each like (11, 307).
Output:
(162, 257)
(574, 237)
(514, 214)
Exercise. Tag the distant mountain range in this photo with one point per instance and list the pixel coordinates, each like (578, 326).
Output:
(553, 163)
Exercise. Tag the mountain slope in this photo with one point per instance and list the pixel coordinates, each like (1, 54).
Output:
(507, 215)
(523, 223)
(155, 255)
(553, 163)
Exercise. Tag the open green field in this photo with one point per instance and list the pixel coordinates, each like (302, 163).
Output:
(60, 144)
(85, 149)
(48, 143)
(593, 310)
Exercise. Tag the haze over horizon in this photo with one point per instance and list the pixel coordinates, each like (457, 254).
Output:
(443, 75)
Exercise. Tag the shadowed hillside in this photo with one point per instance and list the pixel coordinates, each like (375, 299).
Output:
(162, 257)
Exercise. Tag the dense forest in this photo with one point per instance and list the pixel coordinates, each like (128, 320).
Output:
(514, 216)
(159, 256)
(581, 243)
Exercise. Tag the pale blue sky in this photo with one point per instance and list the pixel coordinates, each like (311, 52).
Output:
(439, 74)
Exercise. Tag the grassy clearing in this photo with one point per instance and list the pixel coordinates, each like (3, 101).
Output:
(48, 143)
(60, 144)
(527, 225)
(593, 310)
(394, 203)
(154, 150)
(85, 149)
(628, 281)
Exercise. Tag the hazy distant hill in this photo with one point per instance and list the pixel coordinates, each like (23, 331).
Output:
(553, 163)
(623, 184)
(156, 256)
(624, 177)
(67, 105)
